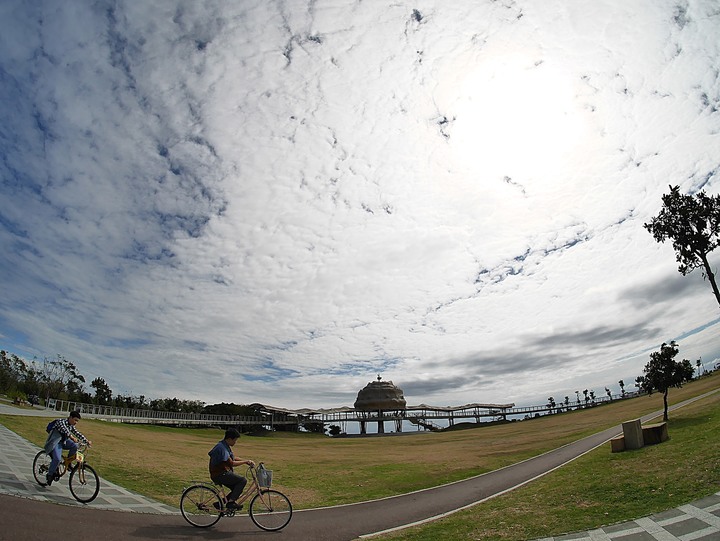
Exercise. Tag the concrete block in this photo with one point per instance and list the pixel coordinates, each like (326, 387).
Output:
(656, 433)
(617, 444)
(633, 434)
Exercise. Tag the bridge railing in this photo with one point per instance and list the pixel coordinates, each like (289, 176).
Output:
(269, 419)
(165, 417)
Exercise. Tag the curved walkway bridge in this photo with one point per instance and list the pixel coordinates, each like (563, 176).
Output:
(424, 417)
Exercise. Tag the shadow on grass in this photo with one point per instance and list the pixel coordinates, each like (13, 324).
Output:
(688, 422)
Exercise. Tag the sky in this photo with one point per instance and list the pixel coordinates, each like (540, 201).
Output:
(278, 201)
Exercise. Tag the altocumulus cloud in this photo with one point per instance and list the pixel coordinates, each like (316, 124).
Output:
(275, 201)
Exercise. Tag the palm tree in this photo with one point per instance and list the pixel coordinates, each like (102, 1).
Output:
(622, 388)
(551, 403)
(699, 364)
(609, 393)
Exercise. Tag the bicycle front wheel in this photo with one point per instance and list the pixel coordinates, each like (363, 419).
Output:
(201, 506)
(41, 466)
(84, 483)
(270, 510)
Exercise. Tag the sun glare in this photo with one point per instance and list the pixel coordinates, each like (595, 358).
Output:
(515, 118)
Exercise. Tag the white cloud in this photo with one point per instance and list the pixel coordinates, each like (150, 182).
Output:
(276, 201)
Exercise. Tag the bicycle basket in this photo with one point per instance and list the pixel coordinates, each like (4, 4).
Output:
(264, 477)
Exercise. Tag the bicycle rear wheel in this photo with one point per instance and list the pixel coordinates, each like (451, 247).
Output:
(201, 506)
(270, 510)
(84, 483)
(41, 466)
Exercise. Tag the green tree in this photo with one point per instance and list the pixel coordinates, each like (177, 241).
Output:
(13, 371)
(664, 372)
(76, 391)
(129, 402)
(551, 404)
(192, 406)
(315, 428)
(58, 377)
(33, 379)
(103, 393)
(692, 223)
(231, 409)
(176, 405)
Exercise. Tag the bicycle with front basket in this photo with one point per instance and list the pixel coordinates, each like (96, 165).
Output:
(203, 504)
(84, 482)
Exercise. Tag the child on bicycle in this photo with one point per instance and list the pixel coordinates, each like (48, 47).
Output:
(62, 434)
(222, 461)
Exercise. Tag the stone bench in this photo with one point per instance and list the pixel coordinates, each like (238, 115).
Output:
(653, 434)
(617, 444)
(636, 436)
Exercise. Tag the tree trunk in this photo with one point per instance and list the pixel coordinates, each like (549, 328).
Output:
(711, 277)
(665, 410)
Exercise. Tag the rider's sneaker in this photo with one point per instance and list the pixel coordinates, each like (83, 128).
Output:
(48, 480)
(232, 506)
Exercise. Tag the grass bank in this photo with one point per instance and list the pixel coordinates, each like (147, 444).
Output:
(599, 488)
(315, 470)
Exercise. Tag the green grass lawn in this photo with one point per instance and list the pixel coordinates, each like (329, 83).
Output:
(596, 489)
(599, 488)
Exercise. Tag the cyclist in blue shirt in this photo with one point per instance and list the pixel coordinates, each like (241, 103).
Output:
(222, 461)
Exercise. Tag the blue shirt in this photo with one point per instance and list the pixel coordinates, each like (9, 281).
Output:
(221, 457)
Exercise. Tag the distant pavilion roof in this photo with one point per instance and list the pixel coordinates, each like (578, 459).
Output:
(380, 395)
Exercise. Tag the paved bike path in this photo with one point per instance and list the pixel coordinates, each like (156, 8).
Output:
(701, 519)
(16, 479)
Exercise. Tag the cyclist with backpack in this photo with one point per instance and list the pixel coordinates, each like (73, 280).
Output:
(62, 434)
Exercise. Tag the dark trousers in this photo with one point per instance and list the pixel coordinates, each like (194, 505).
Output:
(236, 483)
